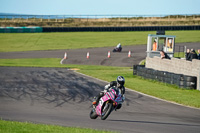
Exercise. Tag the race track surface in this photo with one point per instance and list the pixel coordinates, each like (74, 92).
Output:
(63, 97)
(98, 56)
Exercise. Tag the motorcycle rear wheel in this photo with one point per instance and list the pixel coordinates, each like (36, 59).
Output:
(107, 111)
(93, 114)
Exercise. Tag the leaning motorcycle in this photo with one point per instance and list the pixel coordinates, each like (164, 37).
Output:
(117, 49)
(106, 104)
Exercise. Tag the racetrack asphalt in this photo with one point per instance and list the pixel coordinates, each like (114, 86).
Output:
(98, 56)
(63, 97)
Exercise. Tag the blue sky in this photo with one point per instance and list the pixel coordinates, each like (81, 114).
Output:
(100, 7)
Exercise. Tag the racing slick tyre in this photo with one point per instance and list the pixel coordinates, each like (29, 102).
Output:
(134, 69)
(190, 78)
(106, 110)
(93, 114)
(188, 85)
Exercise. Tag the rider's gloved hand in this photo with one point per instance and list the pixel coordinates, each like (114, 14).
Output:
(105, 91)
(107, 87)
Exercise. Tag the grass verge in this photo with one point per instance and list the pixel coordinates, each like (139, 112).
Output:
(25, 127)
(76, 40)
(107, 73)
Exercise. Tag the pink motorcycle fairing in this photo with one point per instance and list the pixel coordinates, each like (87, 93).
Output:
(112, 95)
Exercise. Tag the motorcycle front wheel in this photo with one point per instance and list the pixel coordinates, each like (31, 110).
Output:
(93, 114)
(106, 110)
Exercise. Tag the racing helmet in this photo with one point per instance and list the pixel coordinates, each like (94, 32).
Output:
(120, 80)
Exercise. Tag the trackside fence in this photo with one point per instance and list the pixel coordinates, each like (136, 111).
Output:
(93, 29)
(139, 28)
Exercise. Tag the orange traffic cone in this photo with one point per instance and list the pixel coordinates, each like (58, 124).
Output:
(129, 53)
(88, 55)
(108, 54)
(65, 56)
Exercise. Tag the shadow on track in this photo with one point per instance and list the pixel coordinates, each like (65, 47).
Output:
(47, 86)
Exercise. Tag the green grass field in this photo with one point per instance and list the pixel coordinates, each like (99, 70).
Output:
(73, 40)
(25, 127)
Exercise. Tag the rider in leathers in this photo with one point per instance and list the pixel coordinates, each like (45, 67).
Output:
(119, 84)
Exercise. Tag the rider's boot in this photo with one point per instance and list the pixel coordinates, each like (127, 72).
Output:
(118, 107)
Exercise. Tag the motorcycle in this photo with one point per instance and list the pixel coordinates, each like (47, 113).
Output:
(106, 104)
(117, 49)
